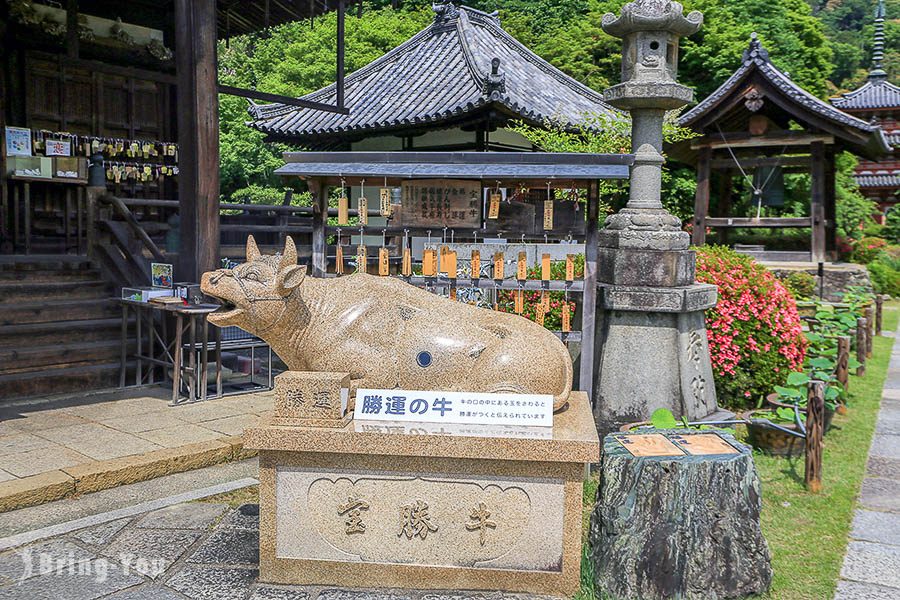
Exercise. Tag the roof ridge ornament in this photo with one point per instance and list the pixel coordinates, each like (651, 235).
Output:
(755, 51)
(645, 15)
(445, 11)
(877, 72)
(495, 81)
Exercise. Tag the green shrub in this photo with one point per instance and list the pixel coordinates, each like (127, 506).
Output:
(892, 227)
(866, 249)
(800, 284)
(884, 272)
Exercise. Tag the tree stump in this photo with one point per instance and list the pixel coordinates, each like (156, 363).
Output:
(678, 526)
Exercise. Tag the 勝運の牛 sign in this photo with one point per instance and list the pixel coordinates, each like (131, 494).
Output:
(534, 410)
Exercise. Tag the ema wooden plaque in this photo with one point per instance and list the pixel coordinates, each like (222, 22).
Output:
(385, 197)
(522, 267)
(339, 261)
(545, 267)
(429, 263)
(498, 265)
(363, 211)
(704, 444)
(520, 301)
(476, 264)
(548, 215)
(384, 265)
(650, 444)
(448, 264)
(570, 267)
(566, 318)
(494, 206)
(361, 259)
(406, 268)
(343, 210)
(539, 315)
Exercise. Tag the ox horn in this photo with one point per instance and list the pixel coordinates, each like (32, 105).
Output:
(252, 249)
(289, 256)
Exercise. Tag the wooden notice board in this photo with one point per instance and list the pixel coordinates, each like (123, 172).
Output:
(704, 444)
(441, 203)
(651, 444)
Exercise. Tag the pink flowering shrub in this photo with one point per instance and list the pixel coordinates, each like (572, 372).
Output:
(755, 337)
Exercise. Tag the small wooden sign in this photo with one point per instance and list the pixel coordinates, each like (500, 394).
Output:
(476, 264)
(520, 301)
(545, 267)
(363, 211)
(449, 264)
(548, 215)
(384, 195)
(498, 265)
(339, 260)
(650, 444)
(384, 264)
(522, 266)
(406, 267)
(566, 318)
(704, 443)
(570, 267)
(361, 259)
(494, 205)
(343, 210)
(429, 262)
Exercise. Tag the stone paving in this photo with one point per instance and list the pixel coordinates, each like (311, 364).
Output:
(74, 430)
(871, 568)
(193, 550)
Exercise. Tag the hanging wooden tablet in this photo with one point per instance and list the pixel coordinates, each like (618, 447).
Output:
(539, 315)
(548, 215)
(449, 264)
(545, 300)
(384, 265)
(339, 260)
(361, 259)
(545, 267)
(520, 301)
(385, 200)
(522, 266)
(476, 264)
(343, 210)
(566, 318)
(494, 205)
(363, 211)
(406, 268)
(570, 267)
(429, 262)
(453, 294)
(442, 266)
(498, 265)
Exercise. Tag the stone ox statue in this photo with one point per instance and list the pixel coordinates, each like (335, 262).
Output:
(384, 332)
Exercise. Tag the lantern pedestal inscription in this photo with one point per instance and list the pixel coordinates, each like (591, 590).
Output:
(383, 507)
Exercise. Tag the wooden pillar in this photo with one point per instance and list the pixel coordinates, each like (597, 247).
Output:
(589, 298)
(319, 192)
(198, 136)
(817, 202)
(830, 205)
(701, 200)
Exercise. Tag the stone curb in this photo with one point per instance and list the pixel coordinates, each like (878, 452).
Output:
(104, 474)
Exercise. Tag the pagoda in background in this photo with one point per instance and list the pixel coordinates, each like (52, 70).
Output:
(878, 100)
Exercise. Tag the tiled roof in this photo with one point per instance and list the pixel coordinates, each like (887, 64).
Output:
(880, 179)
(874, 93)
(443, 72)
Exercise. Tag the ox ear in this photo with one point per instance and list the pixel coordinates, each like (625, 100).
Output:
(252, 249)
(288, 279)
(289, 256)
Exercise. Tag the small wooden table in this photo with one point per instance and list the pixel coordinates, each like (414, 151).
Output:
(171, 353)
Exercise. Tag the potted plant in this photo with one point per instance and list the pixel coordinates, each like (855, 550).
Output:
(772, 440)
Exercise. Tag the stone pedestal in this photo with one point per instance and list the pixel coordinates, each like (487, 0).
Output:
(678, 525)
(653, 354)
(431, 506)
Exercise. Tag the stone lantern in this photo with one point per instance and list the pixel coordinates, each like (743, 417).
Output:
(653, 346)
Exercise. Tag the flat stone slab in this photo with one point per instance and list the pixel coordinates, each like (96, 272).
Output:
(887, 446)
(229, 547)
(243, 517)
(100, 535)
(878, 493)
(146, 592)
(23, 563)
(274, 593)
(852, 590)
(150, 551)
(95, 579)
(879, 466)
(872, 563)
(880, 527)
(212, 583)
(193, 515)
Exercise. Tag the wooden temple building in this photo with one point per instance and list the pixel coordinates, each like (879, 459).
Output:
(877, 101)
(758, 125)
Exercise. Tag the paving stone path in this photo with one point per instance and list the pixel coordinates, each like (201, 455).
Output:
(871, 568)
(189, 551)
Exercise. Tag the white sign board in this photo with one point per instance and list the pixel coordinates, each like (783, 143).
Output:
(57, 147)
(535, 410)
(18, 141)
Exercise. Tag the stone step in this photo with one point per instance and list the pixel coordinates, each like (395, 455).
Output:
(24, 358)
(59, 312)
(87, 330)
(43, 382)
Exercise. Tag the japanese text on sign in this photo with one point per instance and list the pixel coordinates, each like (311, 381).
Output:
(454, 407)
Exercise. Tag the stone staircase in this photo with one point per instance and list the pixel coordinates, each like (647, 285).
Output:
(59, 326)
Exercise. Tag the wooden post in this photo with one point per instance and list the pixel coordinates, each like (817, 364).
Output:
(198, 136)
(830, 205)
(817, 202)
(701, 200)
(843, 361)
(589, 298)
(319, 192)
(879, 307)
(870, 329)
(861, 346)
(815, 430)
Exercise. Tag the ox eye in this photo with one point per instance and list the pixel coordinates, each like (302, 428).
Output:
(251, 276)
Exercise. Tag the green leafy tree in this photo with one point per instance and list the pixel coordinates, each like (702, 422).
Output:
(854, 212)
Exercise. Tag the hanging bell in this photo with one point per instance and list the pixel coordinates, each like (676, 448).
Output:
(771, 181)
